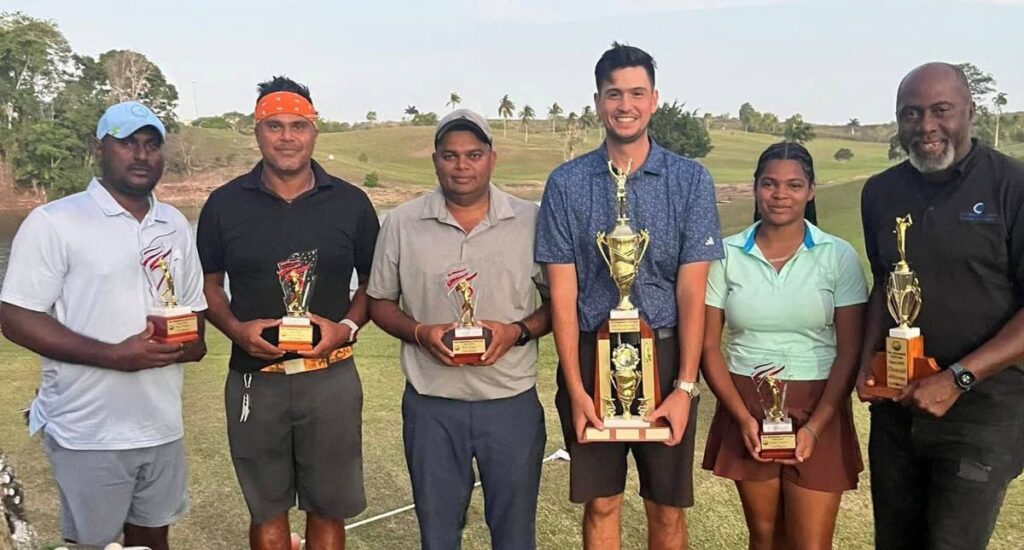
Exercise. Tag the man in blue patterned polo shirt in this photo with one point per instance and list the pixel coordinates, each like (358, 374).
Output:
(674, 199)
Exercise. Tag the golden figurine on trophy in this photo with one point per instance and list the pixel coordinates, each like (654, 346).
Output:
(297, 275)
(468, 341)
(626, 378)
(903, 360)
(778, 439)
(172, 323)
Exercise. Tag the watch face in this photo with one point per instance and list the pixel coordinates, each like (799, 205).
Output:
(965, 379)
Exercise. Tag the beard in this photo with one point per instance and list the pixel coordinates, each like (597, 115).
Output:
(930, 165)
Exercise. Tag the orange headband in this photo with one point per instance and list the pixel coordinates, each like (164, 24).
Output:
(284, 102)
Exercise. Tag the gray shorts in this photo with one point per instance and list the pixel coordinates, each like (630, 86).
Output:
(100, 491)
(302, 438)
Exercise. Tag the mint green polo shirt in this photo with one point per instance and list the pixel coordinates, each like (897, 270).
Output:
(784, 317)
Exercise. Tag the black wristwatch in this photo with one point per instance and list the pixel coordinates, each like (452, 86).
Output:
(964, 378)
(524, 333)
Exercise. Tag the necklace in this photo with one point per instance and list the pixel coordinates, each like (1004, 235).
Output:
(782, 259)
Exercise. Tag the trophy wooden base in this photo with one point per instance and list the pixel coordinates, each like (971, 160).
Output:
(467, 343)
(295, 334)
(778, 440)
(173, 325)
(636, 430)
(902, 362)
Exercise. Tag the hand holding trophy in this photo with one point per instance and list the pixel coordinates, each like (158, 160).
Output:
(903, 360)
(468, 341)
(297, 275)
(172, 323)
(778, 439)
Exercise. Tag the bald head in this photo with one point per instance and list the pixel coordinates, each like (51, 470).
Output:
(934, 111)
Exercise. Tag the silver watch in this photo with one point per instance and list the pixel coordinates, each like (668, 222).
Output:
(689, 388)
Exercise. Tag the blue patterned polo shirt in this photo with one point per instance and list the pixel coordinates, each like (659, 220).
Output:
(670, 196)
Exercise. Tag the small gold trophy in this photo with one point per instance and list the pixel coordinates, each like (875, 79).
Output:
(778, 440)
(467, 341)
(297, 275)
(172, 323)
(903, 360)
(626, 374)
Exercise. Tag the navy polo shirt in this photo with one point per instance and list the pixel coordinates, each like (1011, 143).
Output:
(245, 229)
(672, 197)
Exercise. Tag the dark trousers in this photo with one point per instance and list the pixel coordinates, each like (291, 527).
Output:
(505, 436)
(936, 485)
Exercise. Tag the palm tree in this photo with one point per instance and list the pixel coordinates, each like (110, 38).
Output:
(526, 115)
(853, 125)
(453, 100)
(506, 110)
(371, 117)
(588, 119)
(999, 102)
(554, 111)
(412, 111)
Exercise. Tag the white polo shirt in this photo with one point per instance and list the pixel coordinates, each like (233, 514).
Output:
(77, 259)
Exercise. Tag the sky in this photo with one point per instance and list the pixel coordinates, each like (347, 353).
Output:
(829, 60)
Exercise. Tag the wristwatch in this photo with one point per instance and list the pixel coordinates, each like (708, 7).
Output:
(351, 325)
(524, 333)
(964, 378)
(689, 388)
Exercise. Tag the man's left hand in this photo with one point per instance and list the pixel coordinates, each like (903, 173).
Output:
(332, 336)
(503, 337)
(933, 394)
(676, 410)
(193, 351)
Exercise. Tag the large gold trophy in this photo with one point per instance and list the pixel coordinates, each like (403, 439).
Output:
(626, 373)
(903, 360)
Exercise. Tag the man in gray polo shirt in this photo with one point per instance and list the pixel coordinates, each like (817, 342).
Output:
(77, 294)
(486, 410)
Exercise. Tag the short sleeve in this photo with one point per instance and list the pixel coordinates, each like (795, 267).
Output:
(851, 287)
(37, 265)
(717, 288)
(1015, 226)
(209, 238)
(385, 281)
(366, 241)
(878, 270)
(553, 240)
(702, 234)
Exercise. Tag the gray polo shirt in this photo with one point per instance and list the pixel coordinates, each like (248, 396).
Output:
(419, 241)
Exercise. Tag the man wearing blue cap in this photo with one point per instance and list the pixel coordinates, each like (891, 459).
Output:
(77, 294)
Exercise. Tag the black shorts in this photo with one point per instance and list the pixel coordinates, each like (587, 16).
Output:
(303, 438)
(599, 469)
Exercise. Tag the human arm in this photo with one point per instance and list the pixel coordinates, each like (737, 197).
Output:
(246, 334)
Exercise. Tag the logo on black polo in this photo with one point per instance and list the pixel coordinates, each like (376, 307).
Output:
(979, 213)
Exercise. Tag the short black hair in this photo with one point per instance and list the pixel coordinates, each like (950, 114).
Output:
(787, 150)
(621, 56)
(282, 84)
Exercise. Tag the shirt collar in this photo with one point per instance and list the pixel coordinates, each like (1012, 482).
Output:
(254, 179)
(110, 207)
(745, 240)
(654, 165)
(500, 207)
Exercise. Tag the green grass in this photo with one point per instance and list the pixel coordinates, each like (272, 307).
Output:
(218, 518)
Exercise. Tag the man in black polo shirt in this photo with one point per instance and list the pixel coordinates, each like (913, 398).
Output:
(943, 452)
(294, 419)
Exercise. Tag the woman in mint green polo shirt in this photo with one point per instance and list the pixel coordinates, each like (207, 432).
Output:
(790, 294)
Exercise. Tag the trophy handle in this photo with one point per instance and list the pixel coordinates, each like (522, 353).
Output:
(602, 244)
(645, 240)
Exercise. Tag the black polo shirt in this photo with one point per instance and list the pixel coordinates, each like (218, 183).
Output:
(245, 229)
(967, 247)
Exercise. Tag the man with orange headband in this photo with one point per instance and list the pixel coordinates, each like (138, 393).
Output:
(294, 418)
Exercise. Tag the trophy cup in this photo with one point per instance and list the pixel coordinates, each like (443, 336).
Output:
(626, 374)
(467, 341)
(172, 324)
(297, 275)
(778, 440)
(903, 360)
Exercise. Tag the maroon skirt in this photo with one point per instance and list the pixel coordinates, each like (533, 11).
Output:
(834, 465)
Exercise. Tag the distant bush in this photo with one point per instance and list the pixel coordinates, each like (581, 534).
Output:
(680, 131)
(363, 158)
(425, 119)
(215, 122)
(843, 155)
(332, 126)
(371, 180)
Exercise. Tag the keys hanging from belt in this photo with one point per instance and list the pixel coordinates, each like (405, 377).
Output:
(246, 402)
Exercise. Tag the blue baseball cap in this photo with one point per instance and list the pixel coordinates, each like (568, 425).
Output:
(124, 119)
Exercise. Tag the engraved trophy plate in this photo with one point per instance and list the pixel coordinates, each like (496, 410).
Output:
(172, 323)
(626, 376)
(778, 439)
(297, 276)
(468, 341)
(903, 360)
